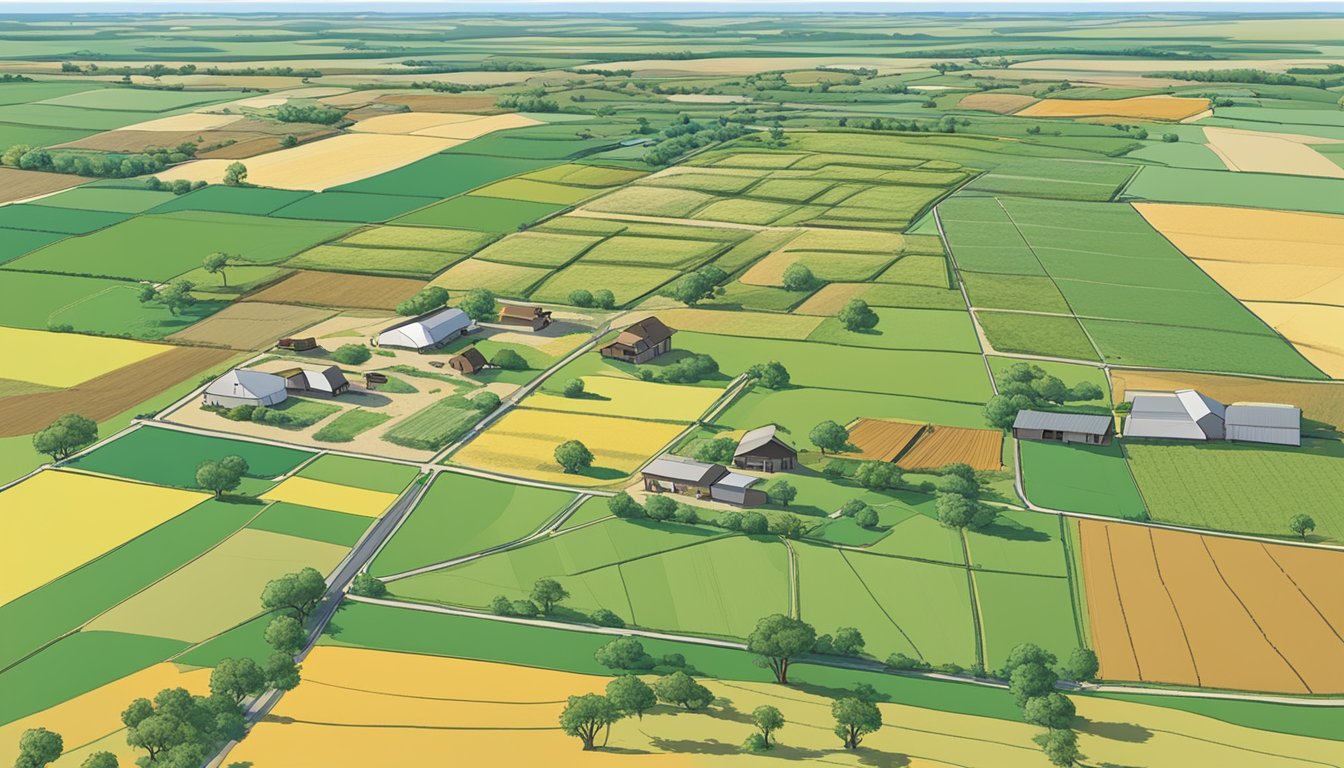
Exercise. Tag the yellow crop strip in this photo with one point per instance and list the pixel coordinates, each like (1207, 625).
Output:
(66, 359)
(337, 498)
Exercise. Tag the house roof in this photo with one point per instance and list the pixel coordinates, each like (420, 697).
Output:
(1085, 423)
(432, 327)
(684, 470)
(734, 480)
(648, 332)
(1182, 405)
(519, 311)
(1275, 415)
(757, 438)
(241, 383)
(473, 356)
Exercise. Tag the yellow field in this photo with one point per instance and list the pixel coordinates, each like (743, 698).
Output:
(1313, 329)
(361, 707)
(338, 498)
(477, 127)
(631, 398)
(409, 122)
(523, 443)
(56, 521)
(1142, 107)
(1254, 151)
(1258, 254)
(760, 325)
(190, 121)
(97, 714)
(830, 299)
(321, 164)
(66, 359)
(769, 271)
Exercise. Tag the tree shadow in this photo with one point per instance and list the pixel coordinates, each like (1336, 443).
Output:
(693, 747)
(1014, 532)
(588, 396)
(364, 398)
(1131, 733)
(882, 759)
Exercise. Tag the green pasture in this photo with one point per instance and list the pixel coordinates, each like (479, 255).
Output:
(108, 199)
(627, 283)
(45, 218)
(395, 262)
(373, 475)
(443, 175)
(1046, 335)
(1251, 190)
(91, 305)
(310, 523)
(490, 214)
(352, 206)
(258, 201)
(929, 329)
(1094, 479)
(170, 457)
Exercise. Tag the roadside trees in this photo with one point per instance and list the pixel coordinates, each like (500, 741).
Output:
(297, 592)
(854, 719)
(829, 436)
(65, 436)
(777, 639)
(1301, 525)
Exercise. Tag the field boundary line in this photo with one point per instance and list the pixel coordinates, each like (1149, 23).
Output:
(1185, 636)
(869, 591)
(1120, 601)
(973, 592)
(980, 339)
(1300, 591)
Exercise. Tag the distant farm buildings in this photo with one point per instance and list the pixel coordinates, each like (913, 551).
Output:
(1190, 415)
(469, 360)
(428, 331)
(761, 449)
(533, 318)
(328, 381)
(641, 342)
(240, 387)
(1083, 428)
(297, 345)
(674, 474)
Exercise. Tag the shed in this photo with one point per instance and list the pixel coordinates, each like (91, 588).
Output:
(534, 318)
(736, 489)
(641, 342)
(242, 387)
(372, 379)
(1274, 423)
(762, 449)
(469, 360)
(298, 345)
(328, 381)
(1182, 415)
(1064, 427)
(428, 331)
(676, 474)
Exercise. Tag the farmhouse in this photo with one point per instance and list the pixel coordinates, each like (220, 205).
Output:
(240, 387)
(701, 480)
(1264, 423)
(761, 449)
(534, 318)
(1064, 427)
(469, 360)
(641, 342)
(1184, 415)
(327, 381)
(428, 331)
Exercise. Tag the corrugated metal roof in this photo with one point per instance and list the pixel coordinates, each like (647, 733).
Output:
(240, 383)
(677, 468)
(1264, 415)
(1064, 422)
(755, 438)
(734, 480)
(1198, 405)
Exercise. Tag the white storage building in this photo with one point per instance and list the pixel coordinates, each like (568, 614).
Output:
(1182, 415)
(1264, 423)
(241, 387)
(427, 331)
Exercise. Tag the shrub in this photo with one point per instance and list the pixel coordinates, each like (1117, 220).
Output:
(903, 663)
(351, 354)
(509, 360)
(581, 298)
(605, 618)
(799, 278)
(604, 299)
(574, 388)
(690, 370)
(660, 508)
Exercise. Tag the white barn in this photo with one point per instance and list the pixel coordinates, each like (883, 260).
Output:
(240, 387)
(1264, 423)
(1182, 415)
(427, 331)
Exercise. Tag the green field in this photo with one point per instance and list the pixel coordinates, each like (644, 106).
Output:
(486, 213)
(929, 329)
(443, 175)
(46, 218)
(352, 206)
(246, 200)
(310, 523)
(627, 283)
(1252, 190)
(110, 200)
(382, 476)
(170, 457)
(395, 262)
(1048, 335)
(345, 427)
(1080, 478)
(91, 305)
(436, 425)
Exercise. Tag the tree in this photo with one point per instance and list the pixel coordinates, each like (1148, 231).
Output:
(856, 315)
(604, 299)
(298, 592)
(621, 505)
(631, 695)
(1060, 746)
(574, 388)
(509, 360)
(1084, 391)
(285, 634)
(65, 436)
(178, 729)
(1301, 525)
(682, 690)
(1053, 710)
(957, 511)
(177, 296)
(547, 592)
(289, 140)
(581, 297)
(782, 491)
(1081, 665)
(603, 617)
(771, 375)
(867, 518)
(720, 450)
(660, 508)
(237, 679)
(100, 760)
(767, 720)
(848, 642)
(623, 653)
(798, 278)
(367, 585)
(573, 456)
(215, 264)
(777, 639)
(426, 300)
(281, 672)
(220, 476)
(854, 719)
(877, 475)
(691, 288)
(479, 304)
(753, 523)
(689, 370)
(585, 715)
(829, 436)
(787, 526)
(39, 747)
(1001, 410)
(351, 354)
(235, 175)
(1031, 680)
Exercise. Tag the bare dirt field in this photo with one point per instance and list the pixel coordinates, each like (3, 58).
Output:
(1322, 401)
(1170, 108)
(1176, 607)
(1267, 153)
(250, 325)
(110, 394)
(1002, 103)
(21, 185)
(881, 440)
(940, 446)
(334, 289)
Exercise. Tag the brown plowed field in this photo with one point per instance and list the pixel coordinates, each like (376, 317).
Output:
(879, 440)
(332, 289)
(1177, 607)
(1319, 402)
(939, 446)
(251, 325)
(442, 102)
(112, 393)
(1002, 103)
(19, 185)
(248, 137)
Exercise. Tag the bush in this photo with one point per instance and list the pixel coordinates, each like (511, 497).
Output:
(799, 278)
(351, 354)
(509, 360)
(660, 508)
(605, 618)
(621, 505)
(720, 450)
(582, 298)
(604, 299)
(485, 402)
(856, 315)
(903, 663)
(755, 743)
(574, 388)
(690, 370)
(367, 585)
(686, 514)
(426, 300)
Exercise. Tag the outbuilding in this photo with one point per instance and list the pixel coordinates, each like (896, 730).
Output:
(428, 331)
(641, 342)
(675, 474)
(242, 387)
(1182, 415)
(1264, 423)
(1087, 428)
(532, 318)
(469, 360)
(762, 449)
(327, 381)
